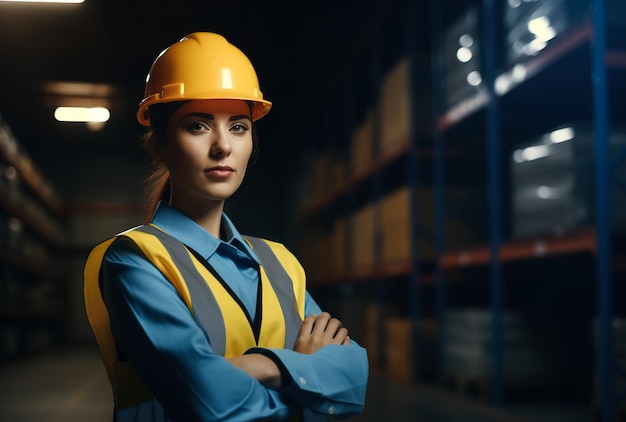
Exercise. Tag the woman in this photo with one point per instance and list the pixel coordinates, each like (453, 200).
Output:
(194, 321)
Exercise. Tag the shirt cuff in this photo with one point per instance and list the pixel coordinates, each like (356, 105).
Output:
(300, 381)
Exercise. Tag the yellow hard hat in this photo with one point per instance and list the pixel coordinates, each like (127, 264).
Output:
(202, 66)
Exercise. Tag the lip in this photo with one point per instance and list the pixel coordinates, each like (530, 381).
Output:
(219, 171)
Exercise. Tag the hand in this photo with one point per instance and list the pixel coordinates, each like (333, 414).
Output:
(319, 331)
(260, 367)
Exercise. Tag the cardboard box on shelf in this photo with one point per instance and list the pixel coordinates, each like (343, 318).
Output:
(462, 222)
(362, 143)
(363, 238)
(399, 348)
(337, 247)
(395, 105)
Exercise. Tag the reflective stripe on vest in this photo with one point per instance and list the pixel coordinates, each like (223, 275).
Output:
(218, 313)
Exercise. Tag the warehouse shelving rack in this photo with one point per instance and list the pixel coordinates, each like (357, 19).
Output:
(33, 282)
(485, 113)
(596, 241)
(404, 162)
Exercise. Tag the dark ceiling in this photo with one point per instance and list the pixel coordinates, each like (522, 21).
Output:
(297, 51)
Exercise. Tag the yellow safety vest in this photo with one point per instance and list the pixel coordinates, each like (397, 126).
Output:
(210, 301)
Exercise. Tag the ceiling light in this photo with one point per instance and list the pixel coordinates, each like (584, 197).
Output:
(531, 153)
(466, 40)
(82, 114)
(464, 54)
(536, 45)
(545, 192)
(84, 89)
(537, 25)
(562, 135)
(546, 34)
(474, 78)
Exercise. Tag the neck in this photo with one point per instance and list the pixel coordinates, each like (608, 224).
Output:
(208, 214)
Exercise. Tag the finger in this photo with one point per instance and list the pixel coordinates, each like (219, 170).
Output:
(340, 336)
(308, 324)
(320, 323)
(333, 327)
(346, 341)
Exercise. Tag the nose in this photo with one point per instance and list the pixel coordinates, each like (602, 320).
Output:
(220, 145)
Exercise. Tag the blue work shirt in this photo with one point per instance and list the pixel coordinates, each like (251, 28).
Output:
(155, 331)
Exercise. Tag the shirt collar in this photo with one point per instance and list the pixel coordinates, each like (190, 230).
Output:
(196, 237)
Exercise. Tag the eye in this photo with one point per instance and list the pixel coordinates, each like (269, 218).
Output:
(239, 127)
(197, 127)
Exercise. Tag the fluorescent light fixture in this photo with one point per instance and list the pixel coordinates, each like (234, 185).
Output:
(508, 80)
(536, 46)
(503, 84)
(531, 153)
(474, 78)
(464, 54)
(545, 192)
(44, 1)
(547, 34)
(466, 40)
(562, 135)
(538, 25)
(82, 114)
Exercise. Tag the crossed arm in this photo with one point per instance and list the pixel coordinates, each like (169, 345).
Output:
(315, 333)
(309, 376)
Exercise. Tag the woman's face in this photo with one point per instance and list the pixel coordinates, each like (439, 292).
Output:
(208, 146)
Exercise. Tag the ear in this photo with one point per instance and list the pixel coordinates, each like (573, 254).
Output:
(157, 147)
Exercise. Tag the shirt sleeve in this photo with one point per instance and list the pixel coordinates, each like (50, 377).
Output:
(157, 334)
(332, 380)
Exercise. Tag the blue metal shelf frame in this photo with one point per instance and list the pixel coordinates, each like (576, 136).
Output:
(413, 184)
(490, 35)
(439, 164)
(493, 141)
(603, 212)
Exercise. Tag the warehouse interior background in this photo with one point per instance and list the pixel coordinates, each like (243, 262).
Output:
(445, 171)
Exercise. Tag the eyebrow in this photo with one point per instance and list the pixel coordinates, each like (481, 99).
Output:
(211, 117)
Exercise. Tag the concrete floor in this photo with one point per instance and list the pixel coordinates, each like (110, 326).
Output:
(70, 385)
(62, 386)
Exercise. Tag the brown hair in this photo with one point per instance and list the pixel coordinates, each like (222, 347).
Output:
(157, 184)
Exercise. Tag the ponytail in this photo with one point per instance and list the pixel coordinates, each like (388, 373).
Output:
(157, 189)
(157, 185)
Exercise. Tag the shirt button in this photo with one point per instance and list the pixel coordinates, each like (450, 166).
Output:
(331, 410)
(302, 381)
